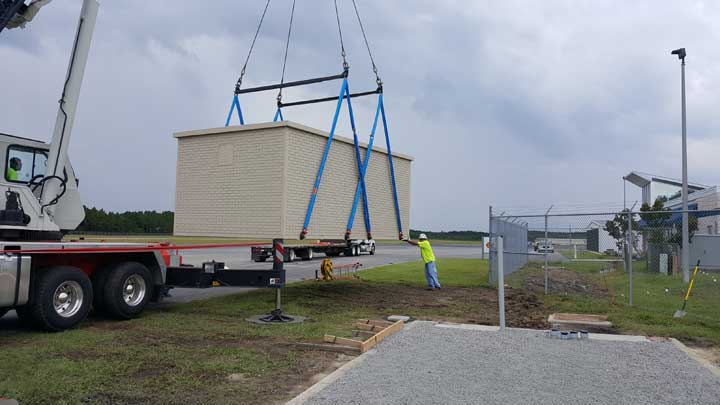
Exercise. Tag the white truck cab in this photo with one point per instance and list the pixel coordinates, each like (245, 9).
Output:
(24, 175)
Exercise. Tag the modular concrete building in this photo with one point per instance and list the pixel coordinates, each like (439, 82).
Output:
(254, 181)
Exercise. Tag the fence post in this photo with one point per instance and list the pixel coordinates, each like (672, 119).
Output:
(501, 280)
(629, 258)
(490, 239)
(545, 255)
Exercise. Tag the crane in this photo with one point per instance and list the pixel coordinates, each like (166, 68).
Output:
(54, 284)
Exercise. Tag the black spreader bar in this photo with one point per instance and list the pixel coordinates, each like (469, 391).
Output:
(291, 84)
(322, 100)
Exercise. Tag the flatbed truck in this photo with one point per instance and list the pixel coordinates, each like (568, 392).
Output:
(330, 248)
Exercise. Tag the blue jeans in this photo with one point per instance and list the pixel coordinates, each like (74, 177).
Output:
(431, 275)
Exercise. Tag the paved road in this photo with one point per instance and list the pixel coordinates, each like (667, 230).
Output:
(300, 270)
(429, 364)
(552, 257)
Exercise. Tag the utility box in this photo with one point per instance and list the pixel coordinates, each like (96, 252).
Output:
(255, 181)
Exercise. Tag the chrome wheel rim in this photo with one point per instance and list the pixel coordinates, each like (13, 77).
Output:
(134, 290)
(68, 298)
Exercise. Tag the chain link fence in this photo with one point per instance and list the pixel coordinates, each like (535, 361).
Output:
(594, 262)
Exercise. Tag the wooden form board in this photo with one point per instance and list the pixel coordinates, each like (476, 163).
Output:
(375, 331)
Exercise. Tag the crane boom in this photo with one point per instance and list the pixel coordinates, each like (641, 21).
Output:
(68, 105)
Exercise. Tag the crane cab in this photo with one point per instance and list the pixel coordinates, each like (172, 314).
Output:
(23, 176)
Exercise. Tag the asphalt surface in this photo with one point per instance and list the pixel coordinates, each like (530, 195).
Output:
(425, 363)
(552, 257)
(239, 258)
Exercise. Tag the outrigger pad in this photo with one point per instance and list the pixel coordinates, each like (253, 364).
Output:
(276, 317)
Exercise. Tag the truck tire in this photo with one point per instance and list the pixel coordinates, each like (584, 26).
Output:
(291, 255)
(62, 299)
(127, 290)
(356, 250)
(308, 254)
(372, 249)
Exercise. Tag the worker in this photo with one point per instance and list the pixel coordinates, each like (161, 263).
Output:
(14, 165)
(429, 258)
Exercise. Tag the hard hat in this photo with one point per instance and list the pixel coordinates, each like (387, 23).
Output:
(422, 236)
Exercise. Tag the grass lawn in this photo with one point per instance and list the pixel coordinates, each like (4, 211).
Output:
(205, 351)
(655, 299)
(586, 254)
(451, 272)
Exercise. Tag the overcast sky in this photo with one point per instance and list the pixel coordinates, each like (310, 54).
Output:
(503, 103)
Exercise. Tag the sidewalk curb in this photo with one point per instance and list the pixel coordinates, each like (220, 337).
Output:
(693, 355)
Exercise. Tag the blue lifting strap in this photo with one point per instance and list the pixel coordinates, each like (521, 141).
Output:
(278, 115)
(378, 112)
(235, 104)
(360, 166)
(353, 211)
(344, 93)
(392, 172)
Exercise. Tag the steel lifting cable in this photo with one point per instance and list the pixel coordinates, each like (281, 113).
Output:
(287, 46)
(342, 44)
(252, 45)
(367, 45)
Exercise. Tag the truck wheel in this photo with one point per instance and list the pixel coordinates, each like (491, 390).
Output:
(372, 250)
(356, 250)
(127, 290)
(308, 255)
(62, 300)
(291, 255)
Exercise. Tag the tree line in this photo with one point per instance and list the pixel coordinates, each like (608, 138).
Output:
(99, 220)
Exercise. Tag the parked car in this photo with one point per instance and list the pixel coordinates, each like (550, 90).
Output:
(546, 248)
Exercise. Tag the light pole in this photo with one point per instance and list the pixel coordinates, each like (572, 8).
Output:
(685, 252)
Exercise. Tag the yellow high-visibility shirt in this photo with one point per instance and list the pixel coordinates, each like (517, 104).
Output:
(12, 174)
(426, 251)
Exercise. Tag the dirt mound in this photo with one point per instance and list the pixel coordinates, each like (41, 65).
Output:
(561, 281)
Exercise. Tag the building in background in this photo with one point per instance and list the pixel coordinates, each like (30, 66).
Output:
(599, 240)
(654, 186)
(705, 241)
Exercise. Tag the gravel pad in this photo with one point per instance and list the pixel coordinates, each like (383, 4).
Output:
(428, 364)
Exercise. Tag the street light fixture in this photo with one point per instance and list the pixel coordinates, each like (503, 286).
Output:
(685, 258)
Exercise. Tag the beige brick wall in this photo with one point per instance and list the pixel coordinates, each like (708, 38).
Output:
(230, 183)
(337, 189)
(263, 190)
